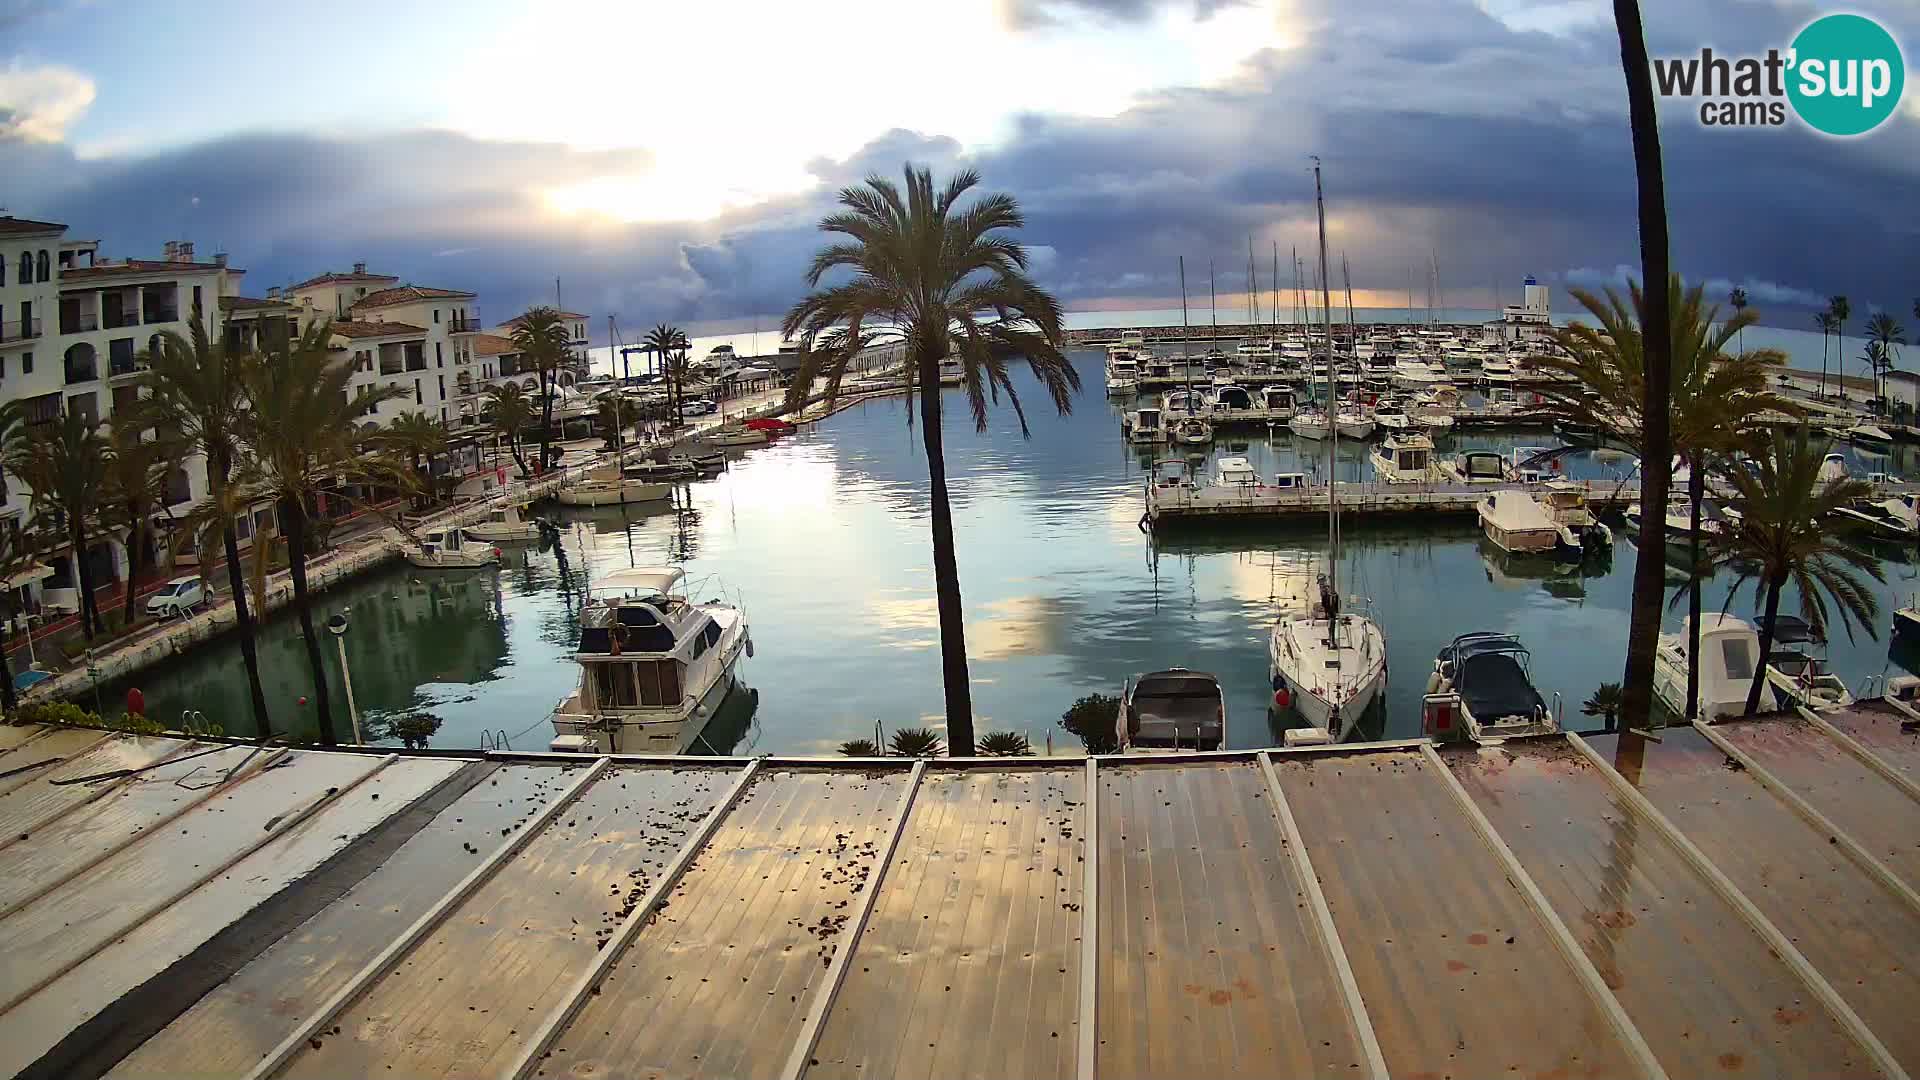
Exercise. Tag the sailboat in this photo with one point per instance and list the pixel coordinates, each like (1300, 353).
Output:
(1326, 663)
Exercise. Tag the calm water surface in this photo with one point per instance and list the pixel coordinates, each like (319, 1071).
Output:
(823, 538)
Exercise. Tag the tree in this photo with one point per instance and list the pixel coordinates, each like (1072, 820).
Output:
(1782, 532)
(1738, 299)
(1094, 719)
(301, 440)
(137, 470)
(1840, 309)
(670, 345)
(915, 742)
(195, 394)
(542, 339)
(939, 280)
(510, 414)
(1823, 320)
(1604, 703)
(65, 465)
(1643, 628)
(1883, 337)
(422, 438)
(1005, 744)
(612, 415)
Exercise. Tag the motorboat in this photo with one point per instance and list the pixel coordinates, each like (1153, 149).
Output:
(1833, 467)
(654, 666)
(1416, 371)
(613, 487)
(1309, 422)
(504, 524)
(1729, 652)
(451, 549)
(1134, 341)
(1196, 400)
(1797, 667)
(1175, 709)
(1403, 458)
(1884, 519)
(1173, 474)
(1353, 422)
(1515, 523)
(674, 468)
(1496, 372)
(1867, 435)
(1235, 474)
(1229, 397)
(1143, 426)
(1123, 372)
(1529, 464)
(735, 436)
(1714, 520)
(1486, 679)
(1193, 430)
(1476, 467)
(1581, 531)
(1391, 416)
(1278, 401)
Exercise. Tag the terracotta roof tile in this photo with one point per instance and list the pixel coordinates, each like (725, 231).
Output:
(493, 345)
(342, 279)
(13, 226)
(129, 267)
(408, 294)
(356, 328)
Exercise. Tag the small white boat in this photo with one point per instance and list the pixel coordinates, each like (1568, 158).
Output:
(1278, 401)
(1197, 400)
(654, 666)
(1328, 670)
(1235, 473)
(1729, 655)
(1192, 430)
(1309, 422)
(735, 436)
(1143, 426)
(1515, 523)
(1486, 679)
(1867, 435)
(450, 549)
(1390, 416)
(1833, 467)
(1175, 709)
(1354, 423)
(1885, 519)
(1403, 458)
(1797, 668)
(1123, 372)
(505, 525)
(1476, 467)
(612, 487)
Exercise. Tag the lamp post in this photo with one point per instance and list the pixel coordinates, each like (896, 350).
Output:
(337, 626)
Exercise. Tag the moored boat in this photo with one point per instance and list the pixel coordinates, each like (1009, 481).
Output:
(1403, 458)
(504, 525)
(450, 549)
(1193, 430)
(1486, 679)
(1729, 655)
(1175, 709)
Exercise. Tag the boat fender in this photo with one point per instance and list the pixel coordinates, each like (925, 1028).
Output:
(1282, 698)
(749, 647)
(1279, 682)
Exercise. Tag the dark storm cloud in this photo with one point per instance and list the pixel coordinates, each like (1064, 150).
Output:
(1498, 151)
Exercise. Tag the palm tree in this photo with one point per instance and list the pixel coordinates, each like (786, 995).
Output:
(1840, 309)
(612, 415)
(1604, 703)
(1783, 534)
(1005, 744)
(939, 280)
(195, 393)
(1883, 332)
(541, 337)
(1713, 400)
(1649, 576)
(510, 414)
(420, 437)
(301, 440)
(1823, 320)
(670, 344)
(915, 742)
(1738, 298)
(859, 748)
(137, 470)
(65, 466)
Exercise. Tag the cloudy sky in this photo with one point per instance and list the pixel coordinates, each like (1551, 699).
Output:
(668, 161)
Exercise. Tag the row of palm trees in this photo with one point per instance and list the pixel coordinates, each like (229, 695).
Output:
(1881, 352)
(277, 425)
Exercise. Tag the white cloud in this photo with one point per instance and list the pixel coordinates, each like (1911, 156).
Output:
(41, 102)
(1557, 17)
(1764, 292)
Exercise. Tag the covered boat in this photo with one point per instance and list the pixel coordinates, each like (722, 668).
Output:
(1486, 678)
(1175, 709)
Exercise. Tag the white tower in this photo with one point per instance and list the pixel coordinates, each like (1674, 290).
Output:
(1536, 296)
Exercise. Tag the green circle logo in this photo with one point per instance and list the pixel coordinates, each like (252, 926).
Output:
(1846, 74)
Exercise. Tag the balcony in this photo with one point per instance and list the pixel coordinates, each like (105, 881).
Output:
(463, 324)
(82, 371)
(20, 330)
(416, 363)
(118, 366)
(389, 367)
(160, 315)
(78, 322)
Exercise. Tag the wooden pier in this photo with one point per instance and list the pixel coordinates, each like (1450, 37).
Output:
(1604, 907)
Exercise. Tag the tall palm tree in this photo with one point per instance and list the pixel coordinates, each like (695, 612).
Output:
(195, 394)
(510, 414)
(1643, 629)
(541, 337)
(1824, 320)
(940, 280)
(1738, 299)
(137, 470)
(301, 439)
(1783, 534)
(670, 344)
(1839, 308)
(422, 438)
(1883, 332)
(65, 465)
(1715, 400)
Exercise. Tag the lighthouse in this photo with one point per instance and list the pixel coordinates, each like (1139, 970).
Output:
(1530, 319)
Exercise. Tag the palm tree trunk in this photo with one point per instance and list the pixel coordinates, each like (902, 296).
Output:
(1696, 491)
(134, 536)
(946, 569)
(8, 700)
(1766, 647)
(89, 613)
(243, 619)
(1826, 339)
(546, 420)
(294, 512)
(1643, 628)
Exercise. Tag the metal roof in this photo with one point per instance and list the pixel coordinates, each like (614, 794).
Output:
(1726, 900)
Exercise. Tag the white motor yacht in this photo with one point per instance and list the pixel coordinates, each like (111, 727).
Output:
(1278, 401)
(1123, 372)
(1197, 400)
(611, 486)
(1515, 523)
(1729, 655)
(1884, 519)
(1235, 473)
(1231, 397)
(1833, 467)
(1144, 425)
(1175, 709)
(1797, 667)
(450, 549)
(505, 525)
(654, 666)
(1390, 416)
(1486, 679)
(1403, 458)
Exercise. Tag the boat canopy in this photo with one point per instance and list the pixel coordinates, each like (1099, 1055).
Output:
(645, 580)
(638, 628)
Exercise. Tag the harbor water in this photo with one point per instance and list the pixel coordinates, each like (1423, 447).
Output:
(823, 538)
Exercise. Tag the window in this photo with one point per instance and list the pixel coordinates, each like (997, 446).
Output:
(26, 363)
(443, 386)
(436, 315)
(86, 407)
(3, 271)
(437, 360)
(418, 398)
(26, 267)
(1739, 661)
(196, 301)
(46, 267)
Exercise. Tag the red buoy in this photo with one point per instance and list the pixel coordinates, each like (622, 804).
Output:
(136, 701)
(302, 700)
(1282, 698)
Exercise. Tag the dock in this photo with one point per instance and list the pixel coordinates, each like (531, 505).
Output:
(1169, 505)
(1734, 899)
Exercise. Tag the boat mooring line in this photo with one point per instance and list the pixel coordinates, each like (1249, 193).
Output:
(1812, 815)
(1859, 750)
(849, 937)
(575, 997)
(1329, 934)
(1775, 940)
(384, 961)
(1087, 1052)
(1634, 1043)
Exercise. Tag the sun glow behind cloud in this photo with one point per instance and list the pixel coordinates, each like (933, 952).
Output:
(790, 84)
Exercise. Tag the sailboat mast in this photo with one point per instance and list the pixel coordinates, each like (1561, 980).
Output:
(1333, 413)
(1253, 288)
(1274, 315)
(1185, 364)
(1353, 335)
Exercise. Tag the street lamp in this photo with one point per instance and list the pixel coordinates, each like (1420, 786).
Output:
(337, 626)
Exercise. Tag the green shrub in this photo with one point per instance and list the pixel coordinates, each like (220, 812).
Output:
(859, 748)
(915, 742)
(1091, 720)
(1005, 744)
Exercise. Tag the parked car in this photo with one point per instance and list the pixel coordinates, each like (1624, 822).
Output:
(177, 597)
(701, 407)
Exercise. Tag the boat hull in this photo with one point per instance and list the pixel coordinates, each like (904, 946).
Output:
(1355, 429)
(667, 731)
(1336, 711)
(1308, 429)
(614, 495)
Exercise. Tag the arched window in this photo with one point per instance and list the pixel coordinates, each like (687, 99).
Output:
(80, 363)
(26, 268)
(530, 386)
(153, 345)
(46, 268)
